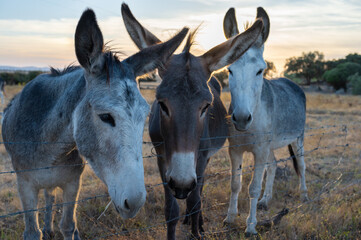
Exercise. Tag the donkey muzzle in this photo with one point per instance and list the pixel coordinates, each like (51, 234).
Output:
(242, 121)
(181, 192)
(129, 204)
(181, 175)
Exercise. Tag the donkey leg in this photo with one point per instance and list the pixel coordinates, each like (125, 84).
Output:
(271, 172)
(200, 184)
(68, 221)
(194, 202)
(299, 152)
(48, 230)
(255, 189)
(187, 219)
(171, 213)
(29, 199)
(2, 97)
(236, 184)
(201, 229)
(194, 206)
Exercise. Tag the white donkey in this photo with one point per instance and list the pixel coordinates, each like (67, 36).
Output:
(270, 113)
(95, 111)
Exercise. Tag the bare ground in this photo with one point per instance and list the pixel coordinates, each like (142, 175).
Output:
(333, 178)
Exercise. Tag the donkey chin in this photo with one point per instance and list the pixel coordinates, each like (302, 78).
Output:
(241, 127)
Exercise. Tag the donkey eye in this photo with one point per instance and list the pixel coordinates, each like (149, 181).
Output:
(107, 118)
(230, 72)
(259, 72)
(204, 109)
(164, 108)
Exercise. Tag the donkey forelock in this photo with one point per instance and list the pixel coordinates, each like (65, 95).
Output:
(185, 76)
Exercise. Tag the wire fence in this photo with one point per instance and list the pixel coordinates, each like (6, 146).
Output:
(336, 131)
(343, 128)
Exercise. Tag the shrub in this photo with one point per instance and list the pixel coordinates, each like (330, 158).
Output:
(355, 81)
(337, 77)
(19, 78)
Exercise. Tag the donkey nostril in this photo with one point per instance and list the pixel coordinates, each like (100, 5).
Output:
(234, 118)
(126, 205)
(249, 118)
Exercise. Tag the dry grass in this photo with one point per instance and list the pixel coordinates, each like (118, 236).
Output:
(333, 178)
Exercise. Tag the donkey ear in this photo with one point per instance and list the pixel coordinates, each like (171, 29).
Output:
(261, 14)
(155, 56)
(230, 26)
(229, 51)
(89, 42)
(139, 34)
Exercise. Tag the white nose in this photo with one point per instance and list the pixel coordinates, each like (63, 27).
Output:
(181, 175)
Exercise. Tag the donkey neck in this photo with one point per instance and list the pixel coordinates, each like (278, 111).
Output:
(266, 100)
(71, 92)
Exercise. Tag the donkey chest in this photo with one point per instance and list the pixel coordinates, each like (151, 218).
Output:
(265, 136)
(54, 172)
(54, 177)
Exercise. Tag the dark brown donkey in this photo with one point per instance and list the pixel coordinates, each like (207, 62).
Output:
(187, 116)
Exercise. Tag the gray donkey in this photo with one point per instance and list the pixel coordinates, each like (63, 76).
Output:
(270, 113)
(94, 112)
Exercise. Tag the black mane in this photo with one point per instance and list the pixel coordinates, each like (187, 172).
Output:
(55, 72)
(110, 56)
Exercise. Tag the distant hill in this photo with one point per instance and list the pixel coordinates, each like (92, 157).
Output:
(23, 69)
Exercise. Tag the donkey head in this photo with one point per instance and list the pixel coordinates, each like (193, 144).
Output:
(183, 99)
(246, 74)
(109, 121)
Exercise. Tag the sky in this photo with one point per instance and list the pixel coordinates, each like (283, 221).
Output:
(41, 32)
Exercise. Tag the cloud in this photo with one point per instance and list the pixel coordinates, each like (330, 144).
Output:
(331, 27)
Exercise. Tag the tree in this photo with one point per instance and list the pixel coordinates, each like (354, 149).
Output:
(271, 68)
(309, 65)
(330, 64)
(337, 77)
(353, 57)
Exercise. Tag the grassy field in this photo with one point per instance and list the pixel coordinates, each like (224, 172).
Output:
(333, 178)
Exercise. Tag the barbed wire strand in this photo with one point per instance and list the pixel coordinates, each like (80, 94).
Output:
(318, 147)
(153, 154)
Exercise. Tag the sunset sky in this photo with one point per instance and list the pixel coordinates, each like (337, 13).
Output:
(40, 32)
